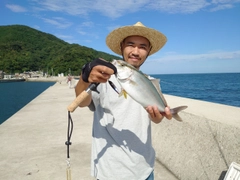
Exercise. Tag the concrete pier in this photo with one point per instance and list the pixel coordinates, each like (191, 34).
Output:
(33, 140)
(202, 146)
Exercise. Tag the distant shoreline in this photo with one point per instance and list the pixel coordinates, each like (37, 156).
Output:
(38, 79)
(48, 79)
(11, 80)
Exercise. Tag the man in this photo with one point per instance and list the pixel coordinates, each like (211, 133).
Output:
(69, 79)
(122, 147)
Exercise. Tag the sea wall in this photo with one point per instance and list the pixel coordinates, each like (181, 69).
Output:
(33, 140)
(202, 146)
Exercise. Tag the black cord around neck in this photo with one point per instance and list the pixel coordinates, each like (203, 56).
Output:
(69, 133)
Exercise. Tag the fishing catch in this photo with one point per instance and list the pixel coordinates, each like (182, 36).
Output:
(139, 87)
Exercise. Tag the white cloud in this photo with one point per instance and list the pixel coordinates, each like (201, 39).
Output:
(110, 8)
(111, 28)
(58, 22)
(192, 57)
(81, 32)
(16, 8)
(221, 7)
(85, 29)
(211, 62)
(73, 7)
(176, 6)
(87, 24)
(224, 1)
(117, 8)
(87, 33)
(36, 27)
(64, 36)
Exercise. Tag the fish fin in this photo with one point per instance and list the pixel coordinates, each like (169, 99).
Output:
(163, 98)
(124, 93)
(175, 112)
(156, 83)
(177, 117)
(145, 75)
(133, 82)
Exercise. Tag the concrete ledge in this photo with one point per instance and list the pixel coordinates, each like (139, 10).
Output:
(204, 144)
(33, 140)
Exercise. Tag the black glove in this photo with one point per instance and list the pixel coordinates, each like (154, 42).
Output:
(87, 68)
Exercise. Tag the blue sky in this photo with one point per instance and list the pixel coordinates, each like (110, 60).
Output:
(203, 35)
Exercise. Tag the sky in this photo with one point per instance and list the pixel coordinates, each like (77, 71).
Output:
(203, 35)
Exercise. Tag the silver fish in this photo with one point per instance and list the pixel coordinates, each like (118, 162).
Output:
(140, 88)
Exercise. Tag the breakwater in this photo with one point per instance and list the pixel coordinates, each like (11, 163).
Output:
(202, 146)
(33, 140)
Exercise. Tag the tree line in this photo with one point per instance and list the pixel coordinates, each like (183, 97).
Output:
(25, 49)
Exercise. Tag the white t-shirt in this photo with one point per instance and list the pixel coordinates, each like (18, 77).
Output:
(122, 146)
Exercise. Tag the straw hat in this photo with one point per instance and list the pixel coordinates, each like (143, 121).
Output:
(156, 38)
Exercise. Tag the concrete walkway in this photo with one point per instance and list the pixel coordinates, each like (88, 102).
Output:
(33, 140)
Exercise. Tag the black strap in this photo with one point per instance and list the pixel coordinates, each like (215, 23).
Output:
(69, 133)
(93, 87)
(87, 68)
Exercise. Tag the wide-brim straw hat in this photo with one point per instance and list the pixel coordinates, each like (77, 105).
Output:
(156, 38)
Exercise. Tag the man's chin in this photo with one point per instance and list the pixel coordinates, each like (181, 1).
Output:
(134, 62)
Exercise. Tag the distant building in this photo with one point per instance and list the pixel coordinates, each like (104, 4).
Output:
(1, 74)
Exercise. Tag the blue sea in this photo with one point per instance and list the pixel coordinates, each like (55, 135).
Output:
(15, 95)
(223, 88)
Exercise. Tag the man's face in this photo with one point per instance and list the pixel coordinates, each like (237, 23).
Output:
(135, 50)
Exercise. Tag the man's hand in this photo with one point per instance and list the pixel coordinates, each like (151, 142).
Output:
(156, 116)
(97, 71)
(100, 74)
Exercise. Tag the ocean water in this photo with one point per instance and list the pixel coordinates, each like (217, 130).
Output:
(223, 88)
(15, 95)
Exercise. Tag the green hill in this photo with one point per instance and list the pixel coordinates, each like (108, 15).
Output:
(26, 49)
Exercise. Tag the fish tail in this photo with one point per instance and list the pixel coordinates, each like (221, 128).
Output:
(175, 112)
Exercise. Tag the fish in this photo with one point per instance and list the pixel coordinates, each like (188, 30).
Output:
(141, 89)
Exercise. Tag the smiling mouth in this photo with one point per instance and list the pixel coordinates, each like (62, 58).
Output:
(134, 58)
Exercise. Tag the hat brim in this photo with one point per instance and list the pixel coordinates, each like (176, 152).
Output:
(156, 38)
